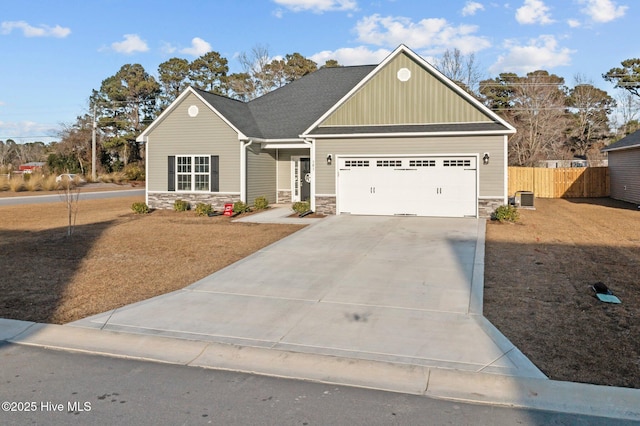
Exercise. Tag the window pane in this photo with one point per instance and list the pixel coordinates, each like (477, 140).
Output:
(184, 164)
(201, 164)
(202, 183)
(184, 182)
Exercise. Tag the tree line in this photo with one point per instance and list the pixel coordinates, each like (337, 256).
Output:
(553, 121)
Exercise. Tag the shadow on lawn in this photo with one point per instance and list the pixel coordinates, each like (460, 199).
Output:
(37, 267)
(539, 296)
(604, 202)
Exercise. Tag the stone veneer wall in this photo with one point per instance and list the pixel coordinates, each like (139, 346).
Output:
(326, 205)
(487, 206)
(165, 200)
(284, 197)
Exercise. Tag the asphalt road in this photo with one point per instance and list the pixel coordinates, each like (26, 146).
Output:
(40, 386)
(39, 199)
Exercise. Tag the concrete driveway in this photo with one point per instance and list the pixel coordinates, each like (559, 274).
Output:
(396, 289)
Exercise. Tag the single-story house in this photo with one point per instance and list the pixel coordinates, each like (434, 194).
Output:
(397, 138)
(624, 168)
(31, 166)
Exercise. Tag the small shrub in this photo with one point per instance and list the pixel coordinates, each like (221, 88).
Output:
(181, 206)
(134, 172)
(203, 209)
(115, 177)
(16, 184)
(506, 213)
(301, 207)
(140, 208)
(261, 203)
(240, 207)
(33, 182)
(49, 183)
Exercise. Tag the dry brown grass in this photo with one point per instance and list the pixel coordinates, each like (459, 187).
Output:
(538, 277)
(113, 258)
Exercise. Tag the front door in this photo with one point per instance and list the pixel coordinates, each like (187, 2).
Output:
(300, 178)
(305, 179)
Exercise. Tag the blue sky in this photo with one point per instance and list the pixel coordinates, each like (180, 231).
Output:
(55, 52)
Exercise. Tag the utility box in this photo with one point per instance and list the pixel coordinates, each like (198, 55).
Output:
(524, 198)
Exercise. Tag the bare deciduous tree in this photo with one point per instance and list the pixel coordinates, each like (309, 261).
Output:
(460, 68)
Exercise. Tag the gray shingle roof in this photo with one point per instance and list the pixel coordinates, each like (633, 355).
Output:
(630, 141)
(414, 128)
(288, 111)
(237, 112)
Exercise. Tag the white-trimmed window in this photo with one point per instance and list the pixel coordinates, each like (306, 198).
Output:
(192, 173)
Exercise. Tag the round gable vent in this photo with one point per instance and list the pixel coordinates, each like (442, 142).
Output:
(404, 74)
(193, 111)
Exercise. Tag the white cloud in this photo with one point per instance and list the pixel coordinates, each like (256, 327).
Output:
(471, 7)
(540, 53)
(434, 34)
(198, 47)
(132, 43)
(533, 12)
(351, 56)
(24, 131)
(316, 6)
(30, 31)
(574, 23)
(603, 10)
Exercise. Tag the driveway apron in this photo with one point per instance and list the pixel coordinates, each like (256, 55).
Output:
(395, 289)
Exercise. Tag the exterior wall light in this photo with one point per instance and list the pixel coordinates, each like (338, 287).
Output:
(485, 158)
(329, 159)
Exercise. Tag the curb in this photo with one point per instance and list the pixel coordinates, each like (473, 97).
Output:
(483, 388)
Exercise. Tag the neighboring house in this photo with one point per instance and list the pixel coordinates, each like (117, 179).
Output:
(31, 167)
(398, 138)
(624, 168)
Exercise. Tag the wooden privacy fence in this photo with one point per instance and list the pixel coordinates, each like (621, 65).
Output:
(576, 182)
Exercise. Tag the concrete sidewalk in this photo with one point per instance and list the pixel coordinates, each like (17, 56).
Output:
(380, 302)
(484, 388)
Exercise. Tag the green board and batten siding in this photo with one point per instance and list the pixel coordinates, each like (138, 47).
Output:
(423, 99)
(491, 176)
(205, 134)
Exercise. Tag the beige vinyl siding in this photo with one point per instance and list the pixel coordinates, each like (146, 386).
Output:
(205, 134)
(423, 99)
(261, 174)
(491, 176)
(624, 173)
(284, 166)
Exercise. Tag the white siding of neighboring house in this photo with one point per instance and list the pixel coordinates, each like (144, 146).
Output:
(624, 173)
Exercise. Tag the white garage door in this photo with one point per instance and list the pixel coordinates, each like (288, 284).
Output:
(420, 186)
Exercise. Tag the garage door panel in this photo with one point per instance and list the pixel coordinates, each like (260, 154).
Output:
(421, 186)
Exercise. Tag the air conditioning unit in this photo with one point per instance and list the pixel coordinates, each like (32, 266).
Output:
(524, 199)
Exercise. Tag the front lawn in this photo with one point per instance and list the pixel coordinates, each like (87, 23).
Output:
(538, 278)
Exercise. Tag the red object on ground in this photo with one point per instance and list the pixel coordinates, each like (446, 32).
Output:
(228, 209)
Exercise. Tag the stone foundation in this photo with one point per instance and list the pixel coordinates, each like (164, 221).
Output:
(326, 205)
(487, 206)
(165, 200)
(284, 197)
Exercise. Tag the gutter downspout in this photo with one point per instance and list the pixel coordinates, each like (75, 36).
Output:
(243, 169)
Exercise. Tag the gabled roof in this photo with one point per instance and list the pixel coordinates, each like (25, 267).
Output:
(499, 125)
(628, 142)
(286, 112)
(295, 110)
